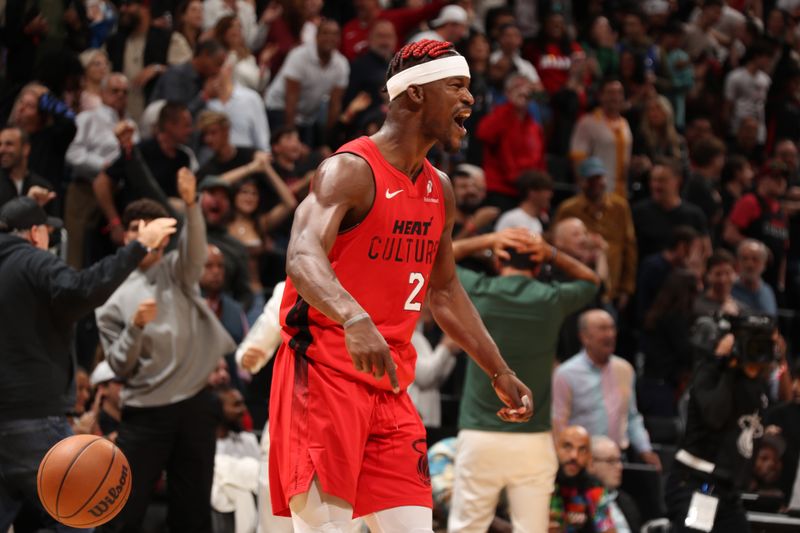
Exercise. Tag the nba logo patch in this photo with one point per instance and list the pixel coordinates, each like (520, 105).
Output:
(429, 192)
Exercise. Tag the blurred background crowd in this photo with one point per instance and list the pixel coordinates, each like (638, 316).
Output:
(654, 141)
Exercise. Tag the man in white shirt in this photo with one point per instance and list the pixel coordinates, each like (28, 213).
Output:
(535, 191)
(95, 146)
(243, 106)
(746, 90)
(311, 74)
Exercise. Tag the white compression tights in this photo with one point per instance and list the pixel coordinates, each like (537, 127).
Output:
(317, 512)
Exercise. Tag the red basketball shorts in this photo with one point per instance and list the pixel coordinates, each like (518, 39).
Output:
(365, 445)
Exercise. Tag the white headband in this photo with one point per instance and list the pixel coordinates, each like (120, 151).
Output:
(437, 69)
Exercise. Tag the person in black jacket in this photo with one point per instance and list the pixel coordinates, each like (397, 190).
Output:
(16, 179)
(726, 400)
(135, 30)
(42, 299)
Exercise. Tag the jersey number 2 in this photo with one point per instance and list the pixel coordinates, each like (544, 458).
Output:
(418, 280)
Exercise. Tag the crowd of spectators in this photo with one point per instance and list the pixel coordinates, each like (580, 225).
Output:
(654, 143)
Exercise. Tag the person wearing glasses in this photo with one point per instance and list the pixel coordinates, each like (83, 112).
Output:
(101, 132)
(606, 466)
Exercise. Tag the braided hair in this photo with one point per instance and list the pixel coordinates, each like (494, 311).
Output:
(414, 54)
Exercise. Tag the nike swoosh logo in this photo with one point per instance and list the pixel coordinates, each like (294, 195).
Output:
(390, 195)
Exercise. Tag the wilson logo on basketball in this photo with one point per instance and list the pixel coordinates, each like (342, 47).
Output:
(111, 496)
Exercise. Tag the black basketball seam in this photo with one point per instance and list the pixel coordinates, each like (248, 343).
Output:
(100, 484)
(103, 519)
(66, 473)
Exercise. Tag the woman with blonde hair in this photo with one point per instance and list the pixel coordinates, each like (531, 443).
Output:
(96, 68)
(657, 134)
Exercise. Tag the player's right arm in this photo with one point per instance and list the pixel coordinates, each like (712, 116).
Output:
(341, 195)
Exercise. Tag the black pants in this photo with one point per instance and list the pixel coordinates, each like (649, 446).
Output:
(181, 439)
(681, 484)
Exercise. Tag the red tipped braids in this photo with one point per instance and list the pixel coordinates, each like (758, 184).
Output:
(417, 53)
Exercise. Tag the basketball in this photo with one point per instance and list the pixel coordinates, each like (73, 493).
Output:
(84, 481)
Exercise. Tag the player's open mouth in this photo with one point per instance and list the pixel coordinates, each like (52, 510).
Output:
(460, 118)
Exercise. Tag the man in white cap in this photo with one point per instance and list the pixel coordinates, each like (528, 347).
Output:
(108, 387)
(451, 25)
(43, 299)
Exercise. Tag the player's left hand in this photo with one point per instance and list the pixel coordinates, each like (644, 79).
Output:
(517, 397)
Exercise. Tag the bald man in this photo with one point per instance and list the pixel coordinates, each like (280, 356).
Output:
(571, 236)
(606, 466)
(227, 310)
(597, 389)
(579, 502)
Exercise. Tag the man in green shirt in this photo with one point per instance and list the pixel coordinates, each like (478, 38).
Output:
(523, 316)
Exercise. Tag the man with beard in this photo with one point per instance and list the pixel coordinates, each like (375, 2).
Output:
(236, 465)
(469, 187)
(139, 50)
(215, 201)
(50, 126)
(580, 502)
(225, 308)
(471, 218)
(147, 169)
(750, 288)
(16, 179)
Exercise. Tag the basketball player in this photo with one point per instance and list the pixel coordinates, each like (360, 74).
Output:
(371, 240)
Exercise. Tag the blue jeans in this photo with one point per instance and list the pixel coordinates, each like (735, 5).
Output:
(23, 444)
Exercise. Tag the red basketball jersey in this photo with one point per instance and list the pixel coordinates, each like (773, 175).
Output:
(384, 263)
